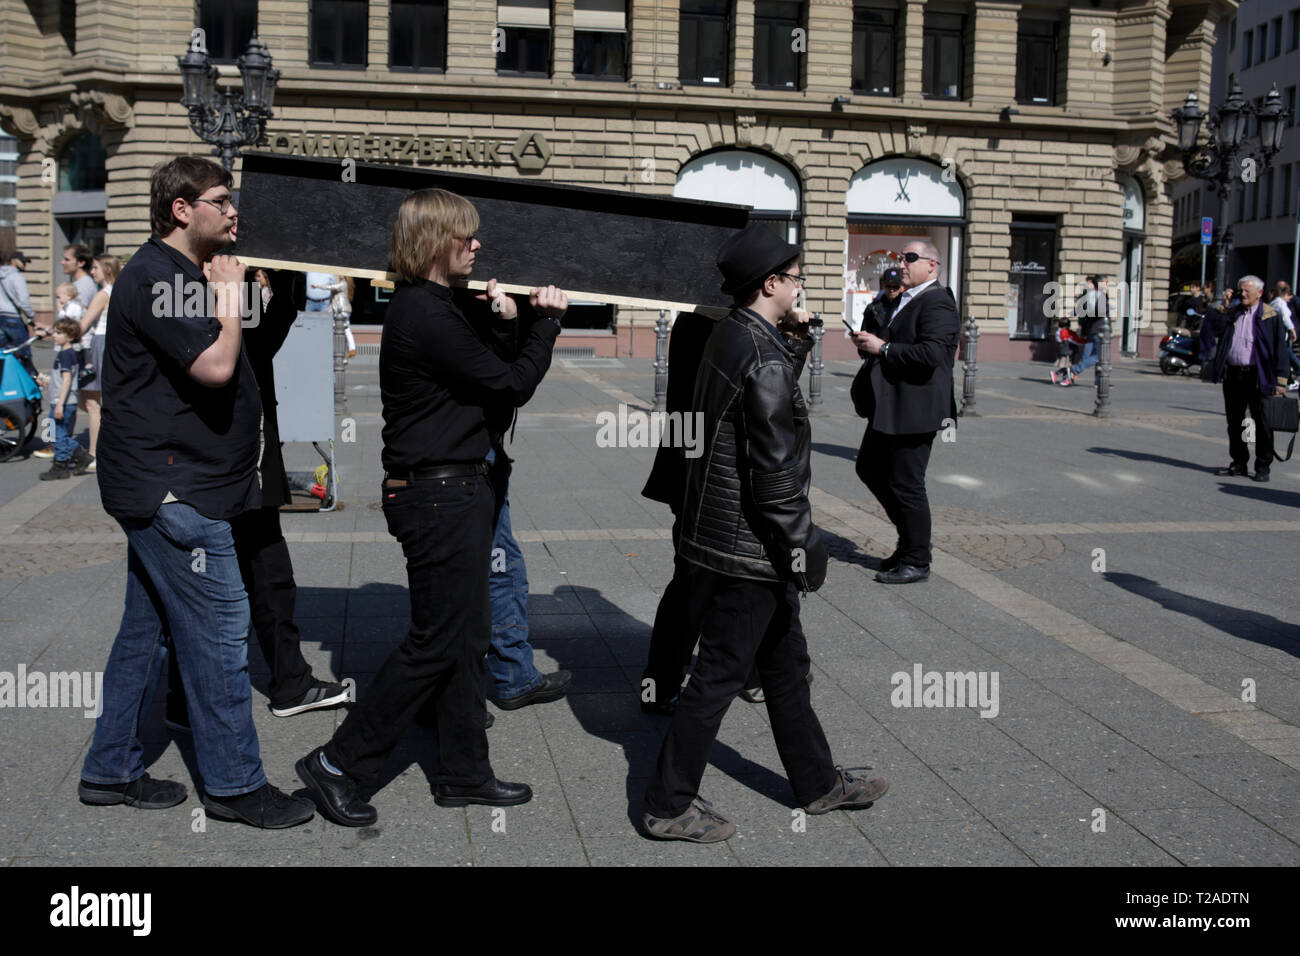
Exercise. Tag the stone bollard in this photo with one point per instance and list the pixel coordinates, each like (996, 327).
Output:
(816, 365)
(1103, 370)
(969, 369)
(661, 361)
(340, 358)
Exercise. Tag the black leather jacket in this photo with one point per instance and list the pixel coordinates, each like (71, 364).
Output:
(746, 511)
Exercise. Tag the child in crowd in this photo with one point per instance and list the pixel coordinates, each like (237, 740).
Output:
(63, 391)
(1066, 339)
(66, 306)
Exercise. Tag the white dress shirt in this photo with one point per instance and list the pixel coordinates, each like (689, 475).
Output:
(910, 294)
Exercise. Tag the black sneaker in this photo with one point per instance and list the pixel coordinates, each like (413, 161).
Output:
(321, 694)
(553, 687)
(144, 792)
(81, 460)
(60, 469)
(266, 808)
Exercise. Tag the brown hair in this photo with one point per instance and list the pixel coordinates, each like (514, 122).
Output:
(110, 265)
(69, 327)
(81, 253)
(185, 177)
(428, 222)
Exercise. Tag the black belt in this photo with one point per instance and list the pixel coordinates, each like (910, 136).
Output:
(400, 479)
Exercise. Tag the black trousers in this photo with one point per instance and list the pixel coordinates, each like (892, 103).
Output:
(445, 529)
(747, 623)
(893, 468)
(1241, 393)
(267, 570)
(678, 621)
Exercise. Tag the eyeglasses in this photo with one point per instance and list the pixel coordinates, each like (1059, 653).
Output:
(468, 240)
(223, 205)
(910, 257)
(792, 278)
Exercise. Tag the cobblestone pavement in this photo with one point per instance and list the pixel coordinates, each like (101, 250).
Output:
(1140, 617)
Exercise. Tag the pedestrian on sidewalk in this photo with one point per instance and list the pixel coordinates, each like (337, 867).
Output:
(1251, 363)
(15, 304)
(94, 328)
(438, 383)
(904, 389)
(63, 398)
(1092, 309)
(1066, 340)
(178, 461)
(747, 525)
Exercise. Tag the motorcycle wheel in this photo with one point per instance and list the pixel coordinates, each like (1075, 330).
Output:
(1167, 364)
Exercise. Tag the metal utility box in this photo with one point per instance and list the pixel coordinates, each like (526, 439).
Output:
(304, 387)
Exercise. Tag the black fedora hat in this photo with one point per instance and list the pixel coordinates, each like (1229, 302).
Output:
(751, 255)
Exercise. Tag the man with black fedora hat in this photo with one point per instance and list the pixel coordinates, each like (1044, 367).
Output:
(746, 524)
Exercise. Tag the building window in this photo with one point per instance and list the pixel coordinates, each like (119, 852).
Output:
(1252, 200)
(1284, 197)
(526, 37)
(779, 41)
(1290, 105)
(942, 55)
(704, 42)
(227, 26)
(1261, 43)
(1036, 62)
(1277, 36)
(1266, 194)
(1247, 48)
(82, 164)
(1293, 31)
(600, 39)
(874, 38)
(1232, 34)
(338, 32)
(417, 35)
(68, 26)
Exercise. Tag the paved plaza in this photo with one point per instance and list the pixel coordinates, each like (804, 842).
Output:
(1140, 617)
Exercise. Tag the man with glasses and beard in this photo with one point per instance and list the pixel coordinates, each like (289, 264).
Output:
(905, 391)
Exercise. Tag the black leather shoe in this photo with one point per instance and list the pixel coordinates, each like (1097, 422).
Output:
(488, 721)
(1232, 471)
(144, 792)
(267, 808)
(904, 574)
(494, 793)
(891, 563)
(335, 794)
(1261, 474)
(659, 708)
(552, 687)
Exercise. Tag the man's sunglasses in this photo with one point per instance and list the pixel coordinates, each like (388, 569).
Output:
(910, 257)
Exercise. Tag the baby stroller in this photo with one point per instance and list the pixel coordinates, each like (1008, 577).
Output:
(20, 403)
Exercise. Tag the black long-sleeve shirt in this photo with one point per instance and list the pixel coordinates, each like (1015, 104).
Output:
(439, 381)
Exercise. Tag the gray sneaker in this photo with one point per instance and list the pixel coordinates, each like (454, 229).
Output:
(699, 824)
(850, 792)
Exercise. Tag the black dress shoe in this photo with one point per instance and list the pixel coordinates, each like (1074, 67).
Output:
(659, 708)
(891, 563)
(1261, 474)
(267, 808)
(1232, 471)
(494, 793)
(335, 793)
(143, 792)
(552, 687)
(904, 574)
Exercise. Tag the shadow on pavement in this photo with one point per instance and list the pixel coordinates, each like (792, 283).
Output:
(1249, 625)
(1260, 493)
(1147, 456)
(836, 451)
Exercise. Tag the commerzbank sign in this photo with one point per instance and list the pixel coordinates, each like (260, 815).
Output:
(528, 151)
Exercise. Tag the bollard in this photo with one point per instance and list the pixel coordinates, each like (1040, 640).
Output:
(1103, 370)
(816, 365)
(969, 369)
(661, 361)
(340, 358)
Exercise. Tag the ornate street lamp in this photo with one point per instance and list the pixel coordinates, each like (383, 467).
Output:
(221, 119)
(1221, 157)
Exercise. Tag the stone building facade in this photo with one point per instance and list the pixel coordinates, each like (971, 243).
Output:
(1032, 142)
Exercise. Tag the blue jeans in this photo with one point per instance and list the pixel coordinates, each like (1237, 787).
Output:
(182, 580)
(13, 331)
(510, 655)
(64, 444)
(1088, 359)
(317, 305)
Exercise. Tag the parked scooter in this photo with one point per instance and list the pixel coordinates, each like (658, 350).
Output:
(1180, 350)
(20, 403)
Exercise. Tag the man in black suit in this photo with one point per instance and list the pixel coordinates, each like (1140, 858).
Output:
(905, 391)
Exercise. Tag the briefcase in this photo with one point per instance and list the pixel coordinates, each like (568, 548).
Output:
(1282, 414)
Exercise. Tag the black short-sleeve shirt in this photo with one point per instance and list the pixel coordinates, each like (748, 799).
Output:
(161, 430)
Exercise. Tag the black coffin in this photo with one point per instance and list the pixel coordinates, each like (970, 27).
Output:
(600, 244)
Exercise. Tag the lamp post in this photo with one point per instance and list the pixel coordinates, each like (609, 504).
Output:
(220, 118)
(1225, 160)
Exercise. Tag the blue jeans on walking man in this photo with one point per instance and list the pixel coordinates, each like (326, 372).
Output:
(510, 655)
(183, 583)
(1089, 357)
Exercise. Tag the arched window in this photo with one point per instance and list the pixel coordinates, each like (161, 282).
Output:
(747, 178)
(82, 164)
